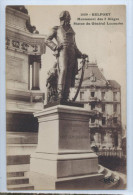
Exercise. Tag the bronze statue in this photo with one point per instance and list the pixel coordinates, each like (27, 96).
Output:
(52, 83)
(66, 53)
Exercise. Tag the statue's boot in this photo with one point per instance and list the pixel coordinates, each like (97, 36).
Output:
(66, 94)
(63, 94)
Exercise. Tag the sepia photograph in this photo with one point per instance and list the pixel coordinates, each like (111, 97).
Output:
(66, 97)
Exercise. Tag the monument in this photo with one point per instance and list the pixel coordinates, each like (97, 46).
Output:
(63, 158)
(66, 53)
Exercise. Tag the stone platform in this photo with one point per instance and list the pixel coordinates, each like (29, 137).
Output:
(63, 158)
(66, 103)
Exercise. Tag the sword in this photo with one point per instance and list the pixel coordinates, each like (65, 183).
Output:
(83, 62)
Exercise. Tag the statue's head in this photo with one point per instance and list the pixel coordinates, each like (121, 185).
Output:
(65, 17)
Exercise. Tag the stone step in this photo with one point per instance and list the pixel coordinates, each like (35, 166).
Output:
(18, 168)
(23, 149)
(22, 138)
(15, 174)
(20, 187)
(18, 159)
(17, 180)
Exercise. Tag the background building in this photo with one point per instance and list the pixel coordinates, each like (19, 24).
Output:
(104, 98)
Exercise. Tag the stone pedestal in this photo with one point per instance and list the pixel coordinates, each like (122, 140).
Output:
(63, 159)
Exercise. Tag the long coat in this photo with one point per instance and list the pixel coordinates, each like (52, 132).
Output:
(67, 59)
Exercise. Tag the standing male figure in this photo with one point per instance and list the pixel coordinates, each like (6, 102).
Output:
(67, 54)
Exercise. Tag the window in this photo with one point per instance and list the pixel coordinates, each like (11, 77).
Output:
(115, 120)
(92, 106)
(114, 96)
(81, 95)
(115, 107)
(103, 121)
(92, 93)
(103, 107)
(103, 95)
(92, 120)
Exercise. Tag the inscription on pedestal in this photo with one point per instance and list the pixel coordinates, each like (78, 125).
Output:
(74, 135)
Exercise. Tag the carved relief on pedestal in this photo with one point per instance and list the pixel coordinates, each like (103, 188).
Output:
(16, 44)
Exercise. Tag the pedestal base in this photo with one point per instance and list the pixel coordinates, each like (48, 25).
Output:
(63, 158)
(65, 165)
(84, 182)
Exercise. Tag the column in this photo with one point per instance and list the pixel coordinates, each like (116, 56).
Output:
(35, 61)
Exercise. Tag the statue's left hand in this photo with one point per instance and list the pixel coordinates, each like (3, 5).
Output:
(60, 47)
(57, 50)
(56, 54)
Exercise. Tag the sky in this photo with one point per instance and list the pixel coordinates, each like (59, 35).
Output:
(105, 44)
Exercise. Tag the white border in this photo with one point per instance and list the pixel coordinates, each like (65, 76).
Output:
(129, 31)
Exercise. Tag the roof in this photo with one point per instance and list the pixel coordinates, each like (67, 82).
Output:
(93, 76)
(114, 84)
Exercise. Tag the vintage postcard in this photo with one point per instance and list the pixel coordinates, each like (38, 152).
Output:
(66, 97)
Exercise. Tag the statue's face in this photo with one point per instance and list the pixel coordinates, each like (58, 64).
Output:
(65, 21)
(65, 18)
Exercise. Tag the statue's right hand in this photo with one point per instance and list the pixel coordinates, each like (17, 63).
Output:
(84, 56)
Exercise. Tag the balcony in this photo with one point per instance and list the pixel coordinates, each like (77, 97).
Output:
(94, 99)
(97, 114)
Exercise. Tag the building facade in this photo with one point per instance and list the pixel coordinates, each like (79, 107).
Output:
(24, 48)
(104, 98)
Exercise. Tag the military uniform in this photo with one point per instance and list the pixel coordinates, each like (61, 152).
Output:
(67, 60)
